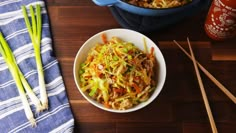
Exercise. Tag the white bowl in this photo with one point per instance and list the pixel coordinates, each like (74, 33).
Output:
(129, 36)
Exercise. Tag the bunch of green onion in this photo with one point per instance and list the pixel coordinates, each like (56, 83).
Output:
(21, 83)
(35, 32)
(20, 80)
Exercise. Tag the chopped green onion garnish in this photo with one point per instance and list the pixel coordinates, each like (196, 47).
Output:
(129, 57)
(82, 65)
(115, 58)
(125, 50)
(81, 71)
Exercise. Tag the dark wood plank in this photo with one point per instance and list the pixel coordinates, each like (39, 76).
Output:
(155, 112)
(148, 127)
(73, 3)
(196, 112)
(200, 127)
(95, 127)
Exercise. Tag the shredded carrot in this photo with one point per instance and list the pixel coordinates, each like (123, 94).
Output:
(151, 52)
(106, 104)
(138, 90)
(104, 38)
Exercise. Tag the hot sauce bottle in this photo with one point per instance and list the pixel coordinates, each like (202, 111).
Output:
(220, 22)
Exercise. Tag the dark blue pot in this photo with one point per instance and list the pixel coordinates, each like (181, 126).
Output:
(145, 11)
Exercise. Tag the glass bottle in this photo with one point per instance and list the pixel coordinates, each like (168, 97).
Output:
(220, 22)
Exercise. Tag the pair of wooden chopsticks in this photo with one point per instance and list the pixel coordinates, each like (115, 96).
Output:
(209, 75)
(206, 103)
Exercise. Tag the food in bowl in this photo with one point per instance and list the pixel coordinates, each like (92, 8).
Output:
(118, 74)
(158, 3)
(138, 40)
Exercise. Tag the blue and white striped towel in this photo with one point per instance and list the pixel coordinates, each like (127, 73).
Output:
(59, 117)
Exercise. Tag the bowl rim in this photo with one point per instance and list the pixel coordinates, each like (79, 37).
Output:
(135, 108)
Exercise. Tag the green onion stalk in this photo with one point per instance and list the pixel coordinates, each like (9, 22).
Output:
(35, 32)
(20, 81)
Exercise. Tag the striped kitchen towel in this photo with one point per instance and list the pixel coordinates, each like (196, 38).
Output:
(58, 118)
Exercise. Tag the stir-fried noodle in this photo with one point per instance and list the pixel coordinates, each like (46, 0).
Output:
(118, 74)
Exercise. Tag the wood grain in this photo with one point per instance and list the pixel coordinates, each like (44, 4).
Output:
(179, 107)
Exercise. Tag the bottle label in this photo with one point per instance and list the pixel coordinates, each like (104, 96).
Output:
(221, 21)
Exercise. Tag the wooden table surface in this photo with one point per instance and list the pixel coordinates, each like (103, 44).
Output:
(179, 108)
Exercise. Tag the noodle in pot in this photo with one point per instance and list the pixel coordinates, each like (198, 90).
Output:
(158, 3)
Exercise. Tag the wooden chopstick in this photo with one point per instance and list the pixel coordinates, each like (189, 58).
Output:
(204, 96)
(209, 75)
